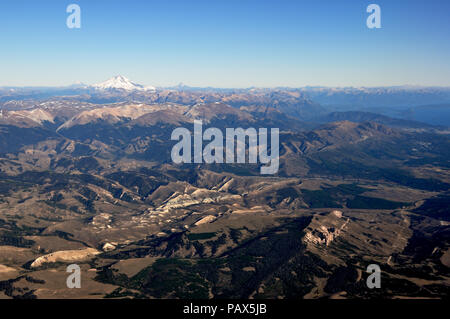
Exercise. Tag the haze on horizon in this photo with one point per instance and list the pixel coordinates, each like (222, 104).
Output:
(80, 84)
(228, 44)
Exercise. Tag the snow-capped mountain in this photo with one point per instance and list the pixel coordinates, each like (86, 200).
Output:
(121, 83)
(78, 85)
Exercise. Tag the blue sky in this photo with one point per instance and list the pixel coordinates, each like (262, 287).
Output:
(226, 43)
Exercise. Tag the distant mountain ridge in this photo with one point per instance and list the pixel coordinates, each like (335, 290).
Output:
(397, 96)
(359, 117)
(307, 104)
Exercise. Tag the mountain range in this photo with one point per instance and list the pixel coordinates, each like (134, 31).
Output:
(86, 177)
(430, 105)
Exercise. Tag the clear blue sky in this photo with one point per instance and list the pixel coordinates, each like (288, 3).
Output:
(226, 43)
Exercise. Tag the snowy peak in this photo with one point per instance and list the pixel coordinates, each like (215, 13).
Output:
(122, 83)
(78, 85)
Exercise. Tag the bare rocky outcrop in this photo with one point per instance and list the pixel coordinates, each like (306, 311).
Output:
(65, 256)
(108, 247)
(205, 220)
(324, 229)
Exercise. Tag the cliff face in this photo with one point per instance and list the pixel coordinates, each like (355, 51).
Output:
(322, 231)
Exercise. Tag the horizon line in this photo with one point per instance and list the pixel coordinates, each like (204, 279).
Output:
(85, 86)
